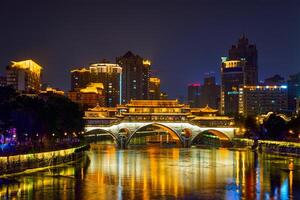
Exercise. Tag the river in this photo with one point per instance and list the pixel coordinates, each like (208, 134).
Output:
(151, 172)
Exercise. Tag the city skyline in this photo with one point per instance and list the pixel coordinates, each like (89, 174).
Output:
(73, 36)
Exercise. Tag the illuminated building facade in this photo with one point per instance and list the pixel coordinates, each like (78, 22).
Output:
(232, 77)
(135, 77)
(194, 95)
(256, 100)
(110, 75)
(90, 96)
(24, 76)
(209, 117)
(293, 84)
(100, 115)
(210, 93)
(154, 110)
(2, 81)
(154, 88)
(50, 90)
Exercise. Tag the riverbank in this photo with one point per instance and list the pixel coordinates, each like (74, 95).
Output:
(269, 146)
(18, 164)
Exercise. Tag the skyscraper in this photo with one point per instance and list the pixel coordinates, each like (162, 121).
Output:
(110, 75)
(238, 69)
(135, 76)
(194, 95)
(210, 93)
(293, 84)
(154, 88)
(248, 52)
(24, 76)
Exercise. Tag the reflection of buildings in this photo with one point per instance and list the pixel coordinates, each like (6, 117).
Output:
(135, 76)
(110, 75)
(238, 69)
(90, 96)
(293, 84)
(24, 76)
(254, 100)
(194, 95)
(154, 88)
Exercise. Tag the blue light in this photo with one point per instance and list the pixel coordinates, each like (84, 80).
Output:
(284, 87)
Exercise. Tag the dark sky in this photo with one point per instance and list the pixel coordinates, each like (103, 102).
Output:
(184, 39)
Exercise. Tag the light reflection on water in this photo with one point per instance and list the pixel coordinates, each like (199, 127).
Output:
(162, 173)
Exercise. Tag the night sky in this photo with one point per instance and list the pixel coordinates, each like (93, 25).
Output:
(184, 39)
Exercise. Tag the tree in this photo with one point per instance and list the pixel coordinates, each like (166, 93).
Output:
(275, 127)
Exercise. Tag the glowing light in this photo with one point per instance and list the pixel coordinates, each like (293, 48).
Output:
(147, 62)
(27, 65)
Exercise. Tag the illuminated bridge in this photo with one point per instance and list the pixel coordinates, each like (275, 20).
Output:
(185, 132)
(138, 118)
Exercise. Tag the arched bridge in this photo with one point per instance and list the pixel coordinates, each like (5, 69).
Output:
(186, 132)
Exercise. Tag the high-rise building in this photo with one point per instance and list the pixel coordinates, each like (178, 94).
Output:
(255, 100)
(90, 96)
(135, 77)
(154, 88)
(24, 76)
(232, 78)
(210, 93)
(274, 80)
(2, 81)
(293, 84)
(110, 75)
(194, 95)
(248, 52)
(238, 69)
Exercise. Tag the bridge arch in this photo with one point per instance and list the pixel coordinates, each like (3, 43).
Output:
(222, 136)
(124, 130)
(167, 128)
(90, 132)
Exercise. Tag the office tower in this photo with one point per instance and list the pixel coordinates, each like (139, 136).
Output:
(232, 78)
(255, 100)
(154, 88)
(110, 75)
(194, 95)
(210, 93)
(135, 76)
(293, 84)
(238, 69)
(24, 76)
(248, 52)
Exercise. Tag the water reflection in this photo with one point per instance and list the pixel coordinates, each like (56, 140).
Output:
(163, 173)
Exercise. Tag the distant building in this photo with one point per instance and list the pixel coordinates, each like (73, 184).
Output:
(154, 88)
(50, 90)
(210, 93)
(194, 95)
(163, 96)
(232, 78)
(274, 80)
(248, 52)
(256, 100)
(24, 76)
(100, 115)
(135, 77)
(2, 81)
(298, 105)
(238, 69)
(110, 75)
(90, 96)
(293, 84)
